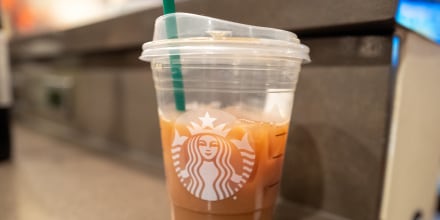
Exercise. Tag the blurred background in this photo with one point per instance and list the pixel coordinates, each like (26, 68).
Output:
(33, 17)
(79, 135)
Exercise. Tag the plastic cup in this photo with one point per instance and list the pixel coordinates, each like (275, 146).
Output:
(223, 155)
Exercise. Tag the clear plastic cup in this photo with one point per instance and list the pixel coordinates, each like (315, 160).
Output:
(224, 151)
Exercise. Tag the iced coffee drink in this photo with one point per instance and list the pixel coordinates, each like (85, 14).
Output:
(225, 92)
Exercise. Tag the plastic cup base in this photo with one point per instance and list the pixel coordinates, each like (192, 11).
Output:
(179, 213)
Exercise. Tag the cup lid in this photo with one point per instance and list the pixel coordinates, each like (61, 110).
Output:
(190, 34)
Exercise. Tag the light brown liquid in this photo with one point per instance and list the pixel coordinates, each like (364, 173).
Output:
(256, 199)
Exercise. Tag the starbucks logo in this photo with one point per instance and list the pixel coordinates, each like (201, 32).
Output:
(211, 163)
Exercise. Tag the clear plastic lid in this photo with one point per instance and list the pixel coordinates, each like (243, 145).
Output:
(190, 34)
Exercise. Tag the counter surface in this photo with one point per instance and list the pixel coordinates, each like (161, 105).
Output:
(50, 180)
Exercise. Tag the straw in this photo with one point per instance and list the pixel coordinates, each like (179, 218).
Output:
(176, 71)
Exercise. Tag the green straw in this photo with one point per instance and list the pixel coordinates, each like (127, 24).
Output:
(176, 70)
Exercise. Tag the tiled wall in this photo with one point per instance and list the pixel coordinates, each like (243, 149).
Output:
(335, 154)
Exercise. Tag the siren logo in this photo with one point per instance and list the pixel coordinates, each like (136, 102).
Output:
(211, 164)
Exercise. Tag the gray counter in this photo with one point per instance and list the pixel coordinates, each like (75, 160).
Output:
(52, 179)
(130, 31)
